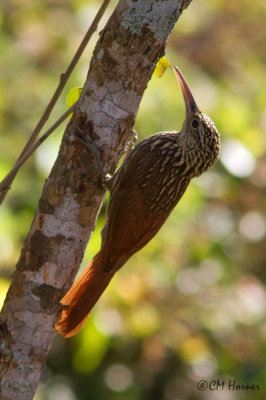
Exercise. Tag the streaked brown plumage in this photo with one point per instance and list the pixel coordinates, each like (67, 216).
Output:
(147, 187)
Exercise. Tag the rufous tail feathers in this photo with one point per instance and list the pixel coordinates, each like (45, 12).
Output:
(82, 296)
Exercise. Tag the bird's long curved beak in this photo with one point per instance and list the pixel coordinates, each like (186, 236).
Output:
(190, 103)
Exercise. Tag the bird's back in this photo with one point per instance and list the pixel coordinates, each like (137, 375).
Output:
(150, 185)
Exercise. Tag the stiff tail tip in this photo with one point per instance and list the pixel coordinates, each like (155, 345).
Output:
(65, 325)
(74, 310)
(82, 296)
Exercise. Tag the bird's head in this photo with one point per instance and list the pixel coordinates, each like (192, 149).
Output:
(199, 134)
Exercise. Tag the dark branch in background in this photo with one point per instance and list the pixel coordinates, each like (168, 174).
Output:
(7, 181)
(26, 154)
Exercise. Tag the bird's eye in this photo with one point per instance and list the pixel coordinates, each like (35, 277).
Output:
(195, 123)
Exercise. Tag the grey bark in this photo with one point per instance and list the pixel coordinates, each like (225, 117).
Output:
(123, 61)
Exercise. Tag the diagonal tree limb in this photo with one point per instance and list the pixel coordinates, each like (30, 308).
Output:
(7, 181)
(124, 59)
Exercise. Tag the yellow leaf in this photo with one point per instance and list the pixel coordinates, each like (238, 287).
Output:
(4, 285)
(73, 96)
(161, 66)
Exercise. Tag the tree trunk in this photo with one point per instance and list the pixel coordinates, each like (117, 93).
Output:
(123, 61)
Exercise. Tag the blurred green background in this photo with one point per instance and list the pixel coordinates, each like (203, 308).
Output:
(191, 304)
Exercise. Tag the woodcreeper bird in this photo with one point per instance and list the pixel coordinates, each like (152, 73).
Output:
(145, 190)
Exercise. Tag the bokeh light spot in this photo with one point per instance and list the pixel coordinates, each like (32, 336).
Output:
(108, 321)
(210, 271)
(58, 388)
(188, 281)
(145, 320)
(118, 377)
(252, 226)
(219, 221)
(194, 349)
(252, 299)
(237, 159)
(205, 367)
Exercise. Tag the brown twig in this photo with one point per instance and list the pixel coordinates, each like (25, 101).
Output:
(7, 181)
(26, 154)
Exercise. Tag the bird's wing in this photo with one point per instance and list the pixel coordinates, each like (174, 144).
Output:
(130, 226)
